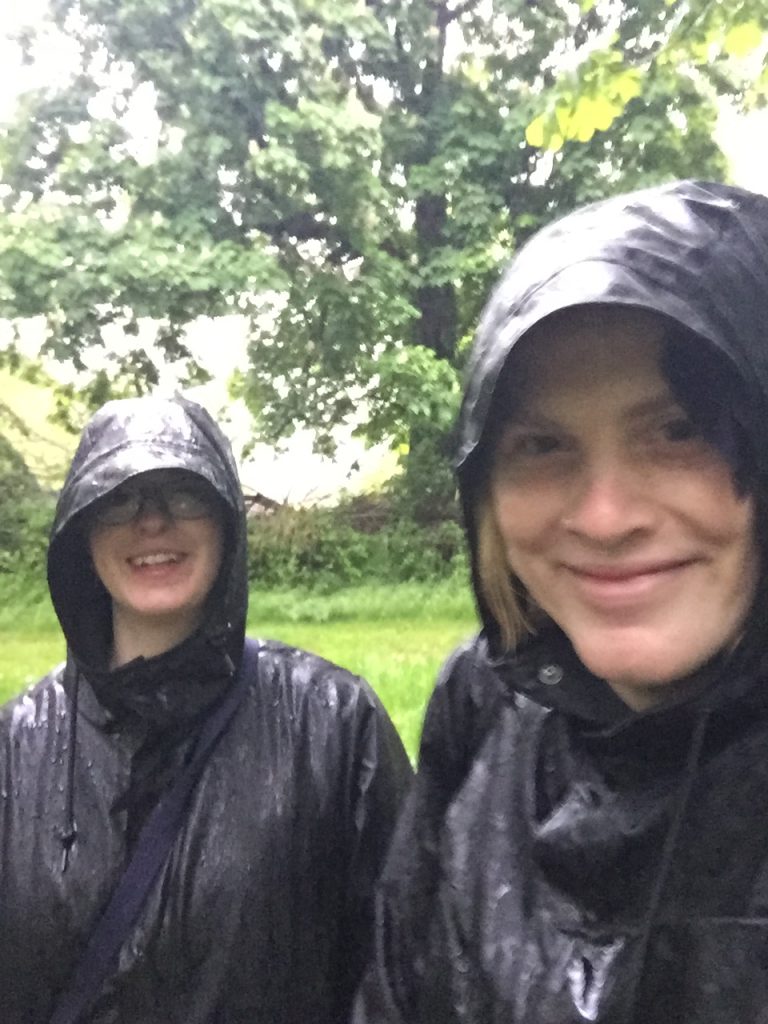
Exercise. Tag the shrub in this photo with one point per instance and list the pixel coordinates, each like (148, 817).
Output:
(25, 516)
(24, 528)
(358, 541)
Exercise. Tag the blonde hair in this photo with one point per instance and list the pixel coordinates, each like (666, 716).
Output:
(498, 587)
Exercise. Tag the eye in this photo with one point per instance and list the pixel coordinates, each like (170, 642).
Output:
(679, 429)
(120, 498)
(532, 444)
(189, 501)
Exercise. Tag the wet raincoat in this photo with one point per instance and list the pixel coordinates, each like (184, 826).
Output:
(261, 914)
(562, 859)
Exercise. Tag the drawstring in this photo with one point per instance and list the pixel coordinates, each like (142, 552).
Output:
(218, 639)
(69, 834)
(670, 843)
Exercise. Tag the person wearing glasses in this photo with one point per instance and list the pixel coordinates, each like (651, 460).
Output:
(587, 836)
(260, 910)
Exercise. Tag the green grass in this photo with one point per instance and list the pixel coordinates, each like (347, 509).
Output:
(395, 636)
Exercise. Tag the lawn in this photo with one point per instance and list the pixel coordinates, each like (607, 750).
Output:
(396, 637)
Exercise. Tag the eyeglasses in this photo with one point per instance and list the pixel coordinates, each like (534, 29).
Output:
(179, 499)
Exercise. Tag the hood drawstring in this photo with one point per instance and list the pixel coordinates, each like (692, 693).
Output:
(667, 853)
(68, 835)
(218, 639)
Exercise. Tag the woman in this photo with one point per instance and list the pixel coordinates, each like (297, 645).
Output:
(260, 911)
(587, 838)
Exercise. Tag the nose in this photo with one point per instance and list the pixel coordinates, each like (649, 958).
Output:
(610, 502)
(153, 515)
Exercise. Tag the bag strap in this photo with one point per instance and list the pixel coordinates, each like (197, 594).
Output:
(149, 855)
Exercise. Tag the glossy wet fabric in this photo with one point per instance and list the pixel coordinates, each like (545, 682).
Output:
(562, 859)
(262, 912)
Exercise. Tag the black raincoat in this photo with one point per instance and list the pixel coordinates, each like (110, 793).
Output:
(562, 859)
(262, 913)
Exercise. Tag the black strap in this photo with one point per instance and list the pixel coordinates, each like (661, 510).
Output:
(149, 855)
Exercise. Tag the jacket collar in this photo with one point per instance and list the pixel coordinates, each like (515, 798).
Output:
(546, 670)
(176, 686)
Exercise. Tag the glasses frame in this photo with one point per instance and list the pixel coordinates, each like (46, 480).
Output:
(168, 497)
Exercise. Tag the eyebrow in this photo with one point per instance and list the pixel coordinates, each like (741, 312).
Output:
(652, 406)
(646, 407)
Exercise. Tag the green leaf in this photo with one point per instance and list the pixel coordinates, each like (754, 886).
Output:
(535, 132)
(742, 39)
(628, 84)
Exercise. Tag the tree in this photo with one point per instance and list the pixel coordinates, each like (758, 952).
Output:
(347, 174)
(710, 41)
(24, 508)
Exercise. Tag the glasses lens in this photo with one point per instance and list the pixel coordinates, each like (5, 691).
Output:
(187, 501)
(118, 507)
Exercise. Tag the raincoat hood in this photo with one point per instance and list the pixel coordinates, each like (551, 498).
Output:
(562, 858)
(123, 439)
(693, 252)
(261, 911)
(696, 252)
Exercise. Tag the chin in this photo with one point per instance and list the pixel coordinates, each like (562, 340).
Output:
(164, 613)
(629, 665)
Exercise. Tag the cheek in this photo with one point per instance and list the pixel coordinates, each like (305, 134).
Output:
(213, 543)
(523, 518)
(715, 511)
(746, 543)
(99, 547)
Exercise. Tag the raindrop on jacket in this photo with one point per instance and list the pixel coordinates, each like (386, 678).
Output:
(261, 914)
(562, 859)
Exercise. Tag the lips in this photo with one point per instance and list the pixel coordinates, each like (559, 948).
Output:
(622, 573)
(155, 558)
(614, 587)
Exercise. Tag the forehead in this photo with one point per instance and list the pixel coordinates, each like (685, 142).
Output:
(587, 349)
(162, 477)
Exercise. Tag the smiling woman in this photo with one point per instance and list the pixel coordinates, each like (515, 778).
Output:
(155, 543)
(259, 907)
(615, 512)
(586, 838)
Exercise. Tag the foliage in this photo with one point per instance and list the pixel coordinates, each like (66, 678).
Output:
(357, 542)
(25, 513)
(425, 492)
(24, 526)
(18, 481)
(708, 42)
(348, 175)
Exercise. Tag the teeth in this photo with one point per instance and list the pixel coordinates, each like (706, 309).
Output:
(157, 559)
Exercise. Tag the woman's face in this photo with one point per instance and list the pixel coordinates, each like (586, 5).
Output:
(158, 567)
(622, 523)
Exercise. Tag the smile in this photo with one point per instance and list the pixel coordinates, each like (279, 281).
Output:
(155, 558)
(616, 586)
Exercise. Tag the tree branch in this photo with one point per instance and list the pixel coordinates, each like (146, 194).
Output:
(446, 14)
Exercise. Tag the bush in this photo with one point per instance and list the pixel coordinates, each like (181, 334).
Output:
(25, 517)
(358, 541)
(24, 529)
(425, 492)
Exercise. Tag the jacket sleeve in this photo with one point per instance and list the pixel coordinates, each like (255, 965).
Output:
(379, 776)
(458, 714)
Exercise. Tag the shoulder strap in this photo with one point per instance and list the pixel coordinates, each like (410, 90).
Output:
(149, 855)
